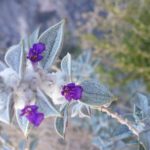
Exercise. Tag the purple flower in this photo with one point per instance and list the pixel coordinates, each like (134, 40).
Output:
(72, 91)
(32, 114)
(35, 53)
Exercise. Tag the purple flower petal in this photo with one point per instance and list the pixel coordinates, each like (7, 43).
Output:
(28, 108)
(72, 91)
(32, 114)
(35, 53)
(39, 47)
(36, 118)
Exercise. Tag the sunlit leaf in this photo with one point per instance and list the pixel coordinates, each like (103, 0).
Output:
(66, 65)
(145, 139)
(2, 66)
(22, 122)
(95, 94)
(31, 39)
(61, 122)
(52, 38)
(45, 105)
(6, 107)
(14, 58)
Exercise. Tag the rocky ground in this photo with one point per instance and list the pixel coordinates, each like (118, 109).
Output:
(76, 139)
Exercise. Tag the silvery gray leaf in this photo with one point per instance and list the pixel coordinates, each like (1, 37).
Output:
(22, 60)
(52, 38)
(33, 144)
(141, 101)
(141, 147)
(30, 40)
(66, 65)
(145, 139)
(121, 129)
(85, 111)
(22, 122)
(45, 105)
(61, 122)
(2, 66)
(138, 113)
(75, 110)
(14, 58)
(22, 145)
(95, 94)
(33, 38)
(60, 126)
(6, 107)
(98, 142)
(80, 110)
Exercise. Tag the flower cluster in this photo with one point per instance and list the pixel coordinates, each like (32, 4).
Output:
(32, 114)
(35, 53)
(70, 91)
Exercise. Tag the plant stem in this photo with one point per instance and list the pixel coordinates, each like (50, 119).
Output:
(27, 143)
(120, 119)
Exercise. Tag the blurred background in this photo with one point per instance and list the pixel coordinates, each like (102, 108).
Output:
(117, 32)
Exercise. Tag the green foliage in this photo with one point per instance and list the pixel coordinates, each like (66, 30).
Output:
(129, 40)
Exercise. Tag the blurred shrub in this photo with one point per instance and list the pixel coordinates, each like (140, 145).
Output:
(122, 35)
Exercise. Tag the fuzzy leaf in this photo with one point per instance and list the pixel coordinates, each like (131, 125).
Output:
(22, 61)
(141, 147)
(121, 129)
(30, 40)
(45, 105)
(22, 145)
(2, 66)
(33, 38)
(145, 139)
(141, 102)
(22, 122)
(6, 108)
(60, 126)
(81, 110)
(138, 113)
(85, 111)
(14, 58)
(66, 65)
(61, 122)
(95, 94)
(33, 144)
(52, 38)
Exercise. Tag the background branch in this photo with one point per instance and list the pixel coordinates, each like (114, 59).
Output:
(120, 120)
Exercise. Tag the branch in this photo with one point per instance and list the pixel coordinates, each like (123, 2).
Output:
(119, 119)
